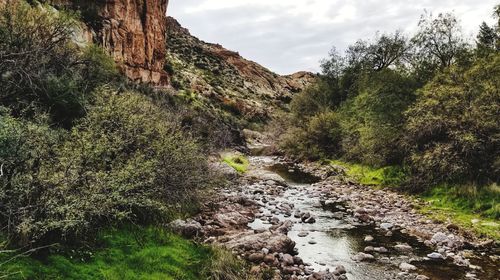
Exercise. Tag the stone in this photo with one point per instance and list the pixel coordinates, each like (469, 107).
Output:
(422, 277)
(369, 238)
(269, 259)
(303, 234)
(435, 256)
(339, 269)
(386, 226)
(439, 237)
(287, 259)
(369, 249)
(381, 250)
(403, 248)
(256, 257)
(407, 267)
(189, 228)
(362, 257)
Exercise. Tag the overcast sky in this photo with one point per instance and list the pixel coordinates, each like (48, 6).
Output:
(287, 36)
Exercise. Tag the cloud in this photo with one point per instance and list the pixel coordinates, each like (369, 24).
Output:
(292, 35)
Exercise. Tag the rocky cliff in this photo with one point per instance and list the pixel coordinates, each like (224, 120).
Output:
(133, 32)
(210, 70)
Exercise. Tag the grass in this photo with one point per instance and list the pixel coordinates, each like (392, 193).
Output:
(470, 206)
(239, 162)
(126, 254)
(384, 177)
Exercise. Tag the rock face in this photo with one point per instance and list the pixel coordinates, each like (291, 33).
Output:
(224, 77)
(132, 31)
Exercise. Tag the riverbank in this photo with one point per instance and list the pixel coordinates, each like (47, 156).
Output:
(473, 208)
(327, 229)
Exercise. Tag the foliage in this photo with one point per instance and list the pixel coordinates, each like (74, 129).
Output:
(440, 39)
(239, 162)
(130, 252)
(389, 176)
(453, 129)
(111, 167)
(41, 70)
(469, 205)
(372, 121)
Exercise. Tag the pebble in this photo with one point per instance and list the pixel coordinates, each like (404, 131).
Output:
(369, 238)
(435, 256)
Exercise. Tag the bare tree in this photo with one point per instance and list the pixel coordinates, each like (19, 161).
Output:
(440, 38)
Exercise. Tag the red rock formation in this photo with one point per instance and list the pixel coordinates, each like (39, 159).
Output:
(134, 32)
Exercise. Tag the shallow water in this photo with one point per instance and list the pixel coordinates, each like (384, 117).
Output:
(337, 238)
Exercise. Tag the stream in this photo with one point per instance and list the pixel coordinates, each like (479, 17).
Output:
(335, 236)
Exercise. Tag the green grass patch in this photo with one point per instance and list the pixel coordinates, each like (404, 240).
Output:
(239, 162)
(127, 253)
(386, 176)
(470, 206)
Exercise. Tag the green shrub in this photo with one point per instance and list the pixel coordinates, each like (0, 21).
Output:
(453, 129)
(41, 69)
(126, 160)
(372, 121)
(318, 137)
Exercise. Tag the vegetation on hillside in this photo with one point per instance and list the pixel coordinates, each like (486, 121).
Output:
(426, 105)
(84, 153)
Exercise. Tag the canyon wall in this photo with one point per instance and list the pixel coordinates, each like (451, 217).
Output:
(132, 31)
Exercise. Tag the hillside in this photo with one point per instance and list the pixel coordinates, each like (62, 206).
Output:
(225, 77)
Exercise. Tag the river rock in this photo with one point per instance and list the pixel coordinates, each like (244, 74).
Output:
(249, 241)
(369, 238)
(407, 267)
(386, 226)
(256, 257)
(439, 237)
(303, 234)
(362, 257)
(189, 228)
(435, 256)
(422, 277)
(403, 248)
(287, 259)
(269, 259)
(369, 249)
(339, 269)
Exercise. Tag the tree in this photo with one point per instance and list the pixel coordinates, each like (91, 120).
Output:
(486, 39)
(41, 69)
(453, 129)
(385, 51)
(440, 39)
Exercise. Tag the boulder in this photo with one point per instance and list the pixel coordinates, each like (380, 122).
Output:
(188, 228)
(407, 267)
(362, 257)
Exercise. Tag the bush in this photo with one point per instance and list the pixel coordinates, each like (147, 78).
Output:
(126, 160)
(41, 69)
(319, 137)
(453, 129)
(372, 121)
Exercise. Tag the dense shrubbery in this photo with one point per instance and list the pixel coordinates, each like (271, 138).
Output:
(430, 104)
(76, 155)
(453, 129)
(41, 69)
(126, 160)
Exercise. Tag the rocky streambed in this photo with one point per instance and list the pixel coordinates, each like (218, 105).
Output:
(305, 223)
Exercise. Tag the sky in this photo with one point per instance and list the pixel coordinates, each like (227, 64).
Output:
(287, 36)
